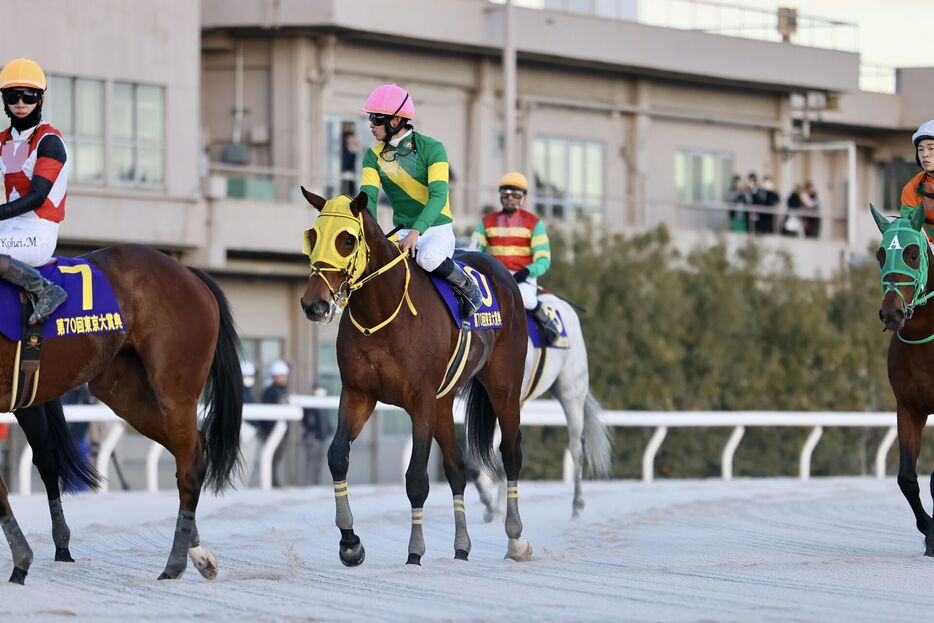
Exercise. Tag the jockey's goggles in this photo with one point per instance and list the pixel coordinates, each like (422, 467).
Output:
(378, 118)
(29, 96)
(509, 192)
(390, 153)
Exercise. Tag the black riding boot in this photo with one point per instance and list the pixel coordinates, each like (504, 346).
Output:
(467, 291)
(45, 295)
(547, 322)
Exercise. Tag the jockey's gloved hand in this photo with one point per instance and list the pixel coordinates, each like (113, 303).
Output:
(521, 275)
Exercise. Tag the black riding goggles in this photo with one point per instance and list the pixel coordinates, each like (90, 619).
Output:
(28, 96)
(379, 119)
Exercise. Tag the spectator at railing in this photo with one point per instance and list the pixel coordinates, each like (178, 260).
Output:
(812, 205)
(350, 148)
(276, 393)
(794, 225)
(739, 194)
(766, 196)
(317, 430)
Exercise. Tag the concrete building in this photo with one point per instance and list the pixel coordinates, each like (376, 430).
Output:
(192, 126)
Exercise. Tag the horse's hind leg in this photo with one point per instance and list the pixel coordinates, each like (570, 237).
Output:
(910, 428)
(423, 416)
(456, 474)
(125, 387)
(573, 404)
(35, 426)
(19, 548)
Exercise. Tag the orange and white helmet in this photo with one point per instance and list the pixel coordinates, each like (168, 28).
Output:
(22, 72)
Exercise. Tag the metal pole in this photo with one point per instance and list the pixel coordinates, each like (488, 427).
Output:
(509, 88)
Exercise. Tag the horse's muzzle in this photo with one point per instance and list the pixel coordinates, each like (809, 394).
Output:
(892, 318)
(317, 311)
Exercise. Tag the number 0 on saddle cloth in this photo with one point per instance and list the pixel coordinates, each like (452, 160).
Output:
(91, 306)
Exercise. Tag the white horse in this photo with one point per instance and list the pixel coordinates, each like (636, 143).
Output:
(564, 373)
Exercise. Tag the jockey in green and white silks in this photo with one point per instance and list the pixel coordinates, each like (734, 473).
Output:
(413, 171)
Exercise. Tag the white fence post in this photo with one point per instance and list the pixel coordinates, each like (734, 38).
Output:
(726, 459)
(804, 465)
(25, 471)
(648, 457)
(883, 451)
(106, 451)
(152, 467)
(269, 450)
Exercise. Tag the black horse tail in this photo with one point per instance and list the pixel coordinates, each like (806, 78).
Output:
(223, 399)
(481, 422)
(73, 466)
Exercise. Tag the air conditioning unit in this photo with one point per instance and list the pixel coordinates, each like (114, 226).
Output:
(236, 153)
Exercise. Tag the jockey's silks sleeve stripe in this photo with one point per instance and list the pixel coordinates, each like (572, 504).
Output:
(541, 251)
(370, 177)
(438, 172)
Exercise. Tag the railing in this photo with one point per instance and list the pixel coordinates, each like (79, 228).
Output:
(721, 18)
(535, 413)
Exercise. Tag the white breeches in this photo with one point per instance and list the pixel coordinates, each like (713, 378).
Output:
(529, 291)
(433, 247)
(29, 240)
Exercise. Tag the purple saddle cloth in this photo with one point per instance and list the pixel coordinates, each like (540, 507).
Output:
(488, 316)
(537, 334)
(91, 306)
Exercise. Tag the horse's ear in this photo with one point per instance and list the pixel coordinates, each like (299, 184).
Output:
(881, 222)
(359, 203)
(313, 199)
(917, 219)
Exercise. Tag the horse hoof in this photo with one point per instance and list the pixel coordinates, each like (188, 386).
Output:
(353, 556)
(204, 562)
(414, 559)
(62, 554)
(18, 576)
(460, 554)
(166, 576)
(519, 550)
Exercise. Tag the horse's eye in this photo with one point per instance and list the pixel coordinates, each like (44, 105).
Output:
(880, 256)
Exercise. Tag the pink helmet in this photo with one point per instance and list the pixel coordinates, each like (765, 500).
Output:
(390, 99)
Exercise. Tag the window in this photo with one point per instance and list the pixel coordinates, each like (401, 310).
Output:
(137, 131)
(703, 177)
(568, 178)
(75, 106)
(344, 156)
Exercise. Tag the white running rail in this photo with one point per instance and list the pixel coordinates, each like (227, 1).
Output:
(535, 413)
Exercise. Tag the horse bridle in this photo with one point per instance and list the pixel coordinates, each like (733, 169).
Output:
(353, 273)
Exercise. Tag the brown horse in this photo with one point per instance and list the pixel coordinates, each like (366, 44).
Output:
(179, 340)
(904, 257)
(395, 344)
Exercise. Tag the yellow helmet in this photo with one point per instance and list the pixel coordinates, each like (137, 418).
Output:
(22, 72)
(513, 179)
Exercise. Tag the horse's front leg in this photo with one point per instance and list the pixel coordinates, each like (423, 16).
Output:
(910, 427)
(19, 548)
(416, 476)
(355, 408)
(35, 423)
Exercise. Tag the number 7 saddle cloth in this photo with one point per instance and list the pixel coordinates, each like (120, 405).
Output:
(91, 306)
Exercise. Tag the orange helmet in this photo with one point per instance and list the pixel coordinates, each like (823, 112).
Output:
(514, 179)
(22, 72)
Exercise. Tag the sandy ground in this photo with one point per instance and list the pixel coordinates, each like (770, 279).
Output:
(748, 550)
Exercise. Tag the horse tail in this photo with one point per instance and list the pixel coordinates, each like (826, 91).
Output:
(598, 448)
(481, 423)
(223, 399)
(73, 466)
